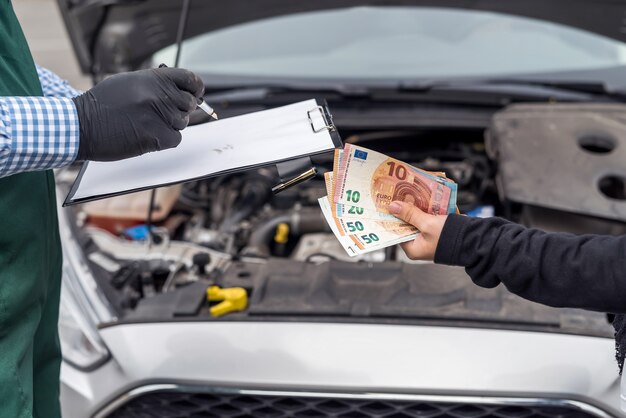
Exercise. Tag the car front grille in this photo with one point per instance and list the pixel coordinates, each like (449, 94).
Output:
(192, 405)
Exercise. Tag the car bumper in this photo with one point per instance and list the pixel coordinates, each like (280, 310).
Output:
(345, 360)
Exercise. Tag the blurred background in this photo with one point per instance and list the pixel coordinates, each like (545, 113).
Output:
(49, 43)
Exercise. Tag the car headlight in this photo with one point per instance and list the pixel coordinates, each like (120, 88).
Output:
(81, 345)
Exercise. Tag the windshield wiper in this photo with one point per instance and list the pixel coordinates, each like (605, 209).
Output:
(554, 90)
(590, 87)
(490, 92)
(260, 92)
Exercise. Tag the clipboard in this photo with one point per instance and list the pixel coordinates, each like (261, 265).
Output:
(285, 136)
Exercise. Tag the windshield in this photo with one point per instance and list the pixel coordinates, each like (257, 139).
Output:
(395, 43)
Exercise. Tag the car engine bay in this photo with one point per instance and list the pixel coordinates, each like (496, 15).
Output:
(231, 231)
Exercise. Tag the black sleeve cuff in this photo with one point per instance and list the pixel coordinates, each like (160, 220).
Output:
(451, 239)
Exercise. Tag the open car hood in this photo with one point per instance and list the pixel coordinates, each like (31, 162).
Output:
(117, 35)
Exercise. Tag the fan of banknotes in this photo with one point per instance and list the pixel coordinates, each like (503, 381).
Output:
(362, 185)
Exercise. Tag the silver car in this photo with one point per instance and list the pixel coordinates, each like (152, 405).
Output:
(441, 85)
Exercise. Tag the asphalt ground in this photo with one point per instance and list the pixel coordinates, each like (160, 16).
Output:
(43, 25)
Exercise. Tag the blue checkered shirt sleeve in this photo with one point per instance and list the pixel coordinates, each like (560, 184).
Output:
(54, 86)
(39, 133)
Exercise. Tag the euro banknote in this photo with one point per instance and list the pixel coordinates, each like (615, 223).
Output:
(362, 185)
(361, 237)
(371, 180)
(341, 210)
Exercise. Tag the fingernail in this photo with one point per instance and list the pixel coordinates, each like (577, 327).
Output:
(395, 207)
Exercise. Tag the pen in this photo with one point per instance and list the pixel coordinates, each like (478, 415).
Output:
(201, 103)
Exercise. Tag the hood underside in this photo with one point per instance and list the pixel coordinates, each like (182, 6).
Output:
(111, 36)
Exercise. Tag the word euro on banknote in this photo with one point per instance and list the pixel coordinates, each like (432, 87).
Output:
(341, 210)
(372, 180)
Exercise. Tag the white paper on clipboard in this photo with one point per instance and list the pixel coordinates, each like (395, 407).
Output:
(227, 145)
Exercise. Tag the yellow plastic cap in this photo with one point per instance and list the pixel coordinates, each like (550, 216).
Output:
(282, 233)
(233, 299)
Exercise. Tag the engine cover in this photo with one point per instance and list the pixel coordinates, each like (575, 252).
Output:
(569, 157)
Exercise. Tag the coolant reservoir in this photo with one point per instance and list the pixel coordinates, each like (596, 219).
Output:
(118, 213)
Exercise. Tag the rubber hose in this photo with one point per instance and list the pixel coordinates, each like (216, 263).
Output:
(300, 222)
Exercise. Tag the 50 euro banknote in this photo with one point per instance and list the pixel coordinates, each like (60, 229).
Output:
(371, 181)
(362, 236)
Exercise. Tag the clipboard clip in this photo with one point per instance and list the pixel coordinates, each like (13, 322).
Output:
(326, 118)
(299, 170)
(294, 172)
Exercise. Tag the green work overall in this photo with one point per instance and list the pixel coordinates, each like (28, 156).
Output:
(30, 259)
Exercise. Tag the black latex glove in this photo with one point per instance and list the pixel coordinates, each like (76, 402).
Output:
(130, 114)
(198, 117)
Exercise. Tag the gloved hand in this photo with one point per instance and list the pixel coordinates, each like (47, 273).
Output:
(130, 114)
(198, 117)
